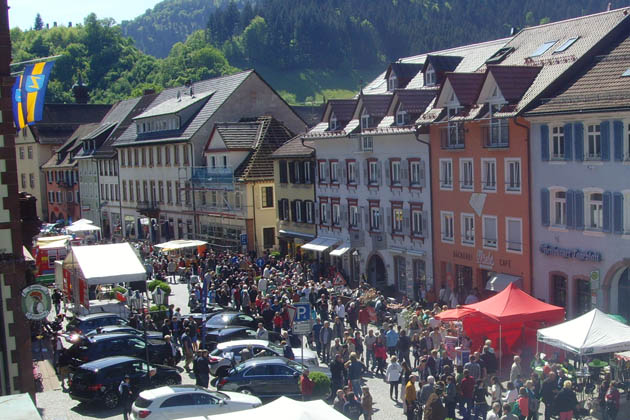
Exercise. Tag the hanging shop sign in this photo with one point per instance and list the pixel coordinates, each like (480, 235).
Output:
(36, 303)
(571, 253)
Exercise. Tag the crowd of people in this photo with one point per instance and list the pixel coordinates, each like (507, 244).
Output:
(410, 354)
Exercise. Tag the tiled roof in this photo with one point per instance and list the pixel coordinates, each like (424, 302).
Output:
(376, 105)
(593, 33)
(222, 86)
(259, 164)
(417, 100)
(442, 63)
(294, 148)
(174, 105)
(311, 114)
(466, 86)
(60, 120)
(69, 146)
(239, 135)
(513, 81)
(473, 56)
(599, 86)
(343, 108)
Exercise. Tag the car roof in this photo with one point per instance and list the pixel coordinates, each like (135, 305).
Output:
(111, 335)
(95, 316)
(230, 330)
(221, 346)
(107, 361)
(265, 360)
(165, 391)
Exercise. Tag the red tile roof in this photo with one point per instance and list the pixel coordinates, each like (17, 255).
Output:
(466, 86)
(513, 81)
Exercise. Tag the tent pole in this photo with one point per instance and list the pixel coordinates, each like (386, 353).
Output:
(500, 349)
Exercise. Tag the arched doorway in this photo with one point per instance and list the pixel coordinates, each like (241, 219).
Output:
(623, 293)
(376, 274)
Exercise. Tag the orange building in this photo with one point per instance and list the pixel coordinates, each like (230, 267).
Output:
(479, 182)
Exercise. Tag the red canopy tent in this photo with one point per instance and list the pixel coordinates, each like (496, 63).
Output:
(508, 318)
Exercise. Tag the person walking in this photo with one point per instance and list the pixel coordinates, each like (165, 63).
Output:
(468, 389)
(306, 386)
(410, 397)
(434, 408)
(325, 338)
(187, 348)
(611, 402)
(352, 408)
(364, 320)
(391, 339)
(126, 396)
(203, 369)
(515, 370)
(369, 341)
(392, 376)
(548, 393)
(565, 401)
(380, 353)
(355, 373)
(425, 392)
(338, 374)
(367, 403)
(56, 298)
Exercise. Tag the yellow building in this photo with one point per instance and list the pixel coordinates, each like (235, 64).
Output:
(235, 204)
(294, 166)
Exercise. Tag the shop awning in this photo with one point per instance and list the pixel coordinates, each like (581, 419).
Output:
(500, 281)
(292, 234)
(106, 264)
(415, 253)
(320, 244)
(180, 244)
(342, 249)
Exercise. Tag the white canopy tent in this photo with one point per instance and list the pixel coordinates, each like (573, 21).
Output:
(592, 333)
(180, 244)
(82, 221)
(82, 227)
(284, 408)
(106, 264)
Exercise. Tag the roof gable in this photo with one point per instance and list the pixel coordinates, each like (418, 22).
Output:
(465, 86)
(404, 72)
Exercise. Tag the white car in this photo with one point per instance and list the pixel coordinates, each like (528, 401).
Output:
(179, 401)
(221, 357)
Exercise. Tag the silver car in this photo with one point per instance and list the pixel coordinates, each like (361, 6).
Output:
(228, 354)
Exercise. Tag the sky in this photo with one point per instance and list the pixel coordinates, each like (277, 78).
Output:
(22, 12)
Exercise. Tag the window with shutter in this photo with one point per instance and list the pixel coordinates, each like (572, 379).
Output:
(293, 212)
(618, 141)
(544, 142)
(607, 211)
(618, 222)
(283, 171)
(570, 197)
(578, 140)
(292, 177)
(579, 210)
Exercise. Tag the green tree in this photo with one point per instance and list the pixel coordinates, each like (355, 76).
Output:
(39, 23)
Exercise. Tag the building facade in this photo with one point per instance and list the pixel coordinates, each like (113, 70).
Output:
(294, 175)
(580, 152)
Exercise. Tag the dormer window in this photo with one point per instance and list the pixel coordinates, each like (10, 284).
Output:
(392, 82)
(332, 124)
(365, 120)
(402, 118)
(429, 76)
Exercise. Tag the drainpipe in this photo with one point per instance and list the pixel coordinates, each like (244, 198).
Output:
(429, 181)
(120, 191)
(529, 192)
(192, 184)
(253, 218)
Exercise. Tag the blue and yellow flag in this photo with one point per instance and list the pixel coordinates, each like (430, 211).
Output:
(34, 82)
(18, 110)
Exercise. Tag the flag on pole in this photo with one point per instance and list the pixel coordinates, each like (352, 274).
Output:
(35, 80)
(18, 110)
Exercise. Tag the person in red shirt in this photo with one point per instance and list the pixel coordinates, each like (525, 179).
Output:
(277, 322)
(364, 319)
(306, 386)
(468, 390)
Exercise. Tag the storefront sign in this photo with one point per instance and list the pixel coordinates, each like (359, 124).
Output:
(462, 255)
(571, 253)
(486, 259)
(36, 303)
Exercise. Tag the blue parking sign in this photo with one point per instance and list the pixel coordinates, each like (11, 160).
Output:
(302, 312)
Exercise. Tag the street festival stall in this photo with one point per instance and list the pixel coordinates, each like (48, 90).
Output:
(284, 408)
(46, 250)
(84, 230)
(509, 318)
(179, 244)
(93, 265)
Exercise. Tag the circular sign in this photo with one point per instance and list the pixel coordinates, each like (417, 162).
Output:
(595, 275)
(36, 303)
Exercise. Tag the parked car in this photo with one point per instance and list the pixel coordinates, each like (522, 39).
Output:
(226, 355)
(174, 402)
(85, 323)
(231, 319)
(98, 381)
(109, 329)
(214, 337)
(266, 377)
(116, 344)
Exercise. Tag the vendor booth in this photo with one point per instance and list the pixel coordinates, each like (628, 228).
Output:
(510, 319)
(84, 230)
(180, 244)
(47, 250)
(87, 266)
(287, 409)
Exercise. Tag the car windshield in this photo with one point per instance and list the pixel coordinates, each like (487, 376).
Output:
(142, 403)
(220, 320)
(297, 366)
(275, 348)
(219, 395)
(216, 352)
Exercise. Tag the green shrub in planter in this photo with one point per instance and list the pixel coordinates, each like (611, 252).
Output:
(157, 283)
(322, 384)
(275, 254)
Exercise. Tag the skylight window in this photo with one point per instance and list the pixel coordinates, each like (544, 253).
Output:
(626, 73)
(565, 45)
(543, 48)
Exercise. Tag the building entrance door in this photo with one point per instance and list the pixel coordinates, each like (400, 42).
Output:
(623, 294)
(377, 276)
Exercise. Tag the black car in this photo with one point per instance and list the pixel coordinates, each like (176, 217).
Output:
(214, 337)
(83, 324)
(116, 344)
(109, 329)
(266, 377)
(231, 319)
(98, 381)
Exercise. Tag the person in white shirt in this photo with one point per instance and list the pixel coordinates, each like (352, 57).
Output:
(267, 272)
(340, 310)
(454, 302)
(512, 394)
(262, 333)
(392, 376)
(494, 413)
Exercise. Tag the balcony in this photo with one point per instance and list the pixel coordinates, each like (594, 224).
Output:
(148, 208)
(453, 136)
(496, 135)
(213, 178)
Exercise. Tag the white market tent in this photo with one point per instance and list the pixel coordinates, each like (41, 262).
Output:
(592, 333)
(106, 264)
(82, 221)
(287, 409)
(180, 244)
(82, 227)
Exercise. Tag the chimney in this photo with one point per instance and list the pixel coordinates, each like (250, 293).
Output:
(80, 92)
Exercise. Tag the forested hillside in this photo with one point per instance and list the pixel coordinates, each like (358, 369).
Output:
(169, 22)
(306, 49)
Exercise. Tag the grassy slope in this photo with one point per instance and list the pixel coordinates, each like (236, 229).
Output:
(302, 87)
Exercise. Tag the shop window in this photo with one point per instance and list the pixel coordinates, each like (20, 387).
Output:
(269, 237)
(400, 268)
(582, 296)
(559, 290)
